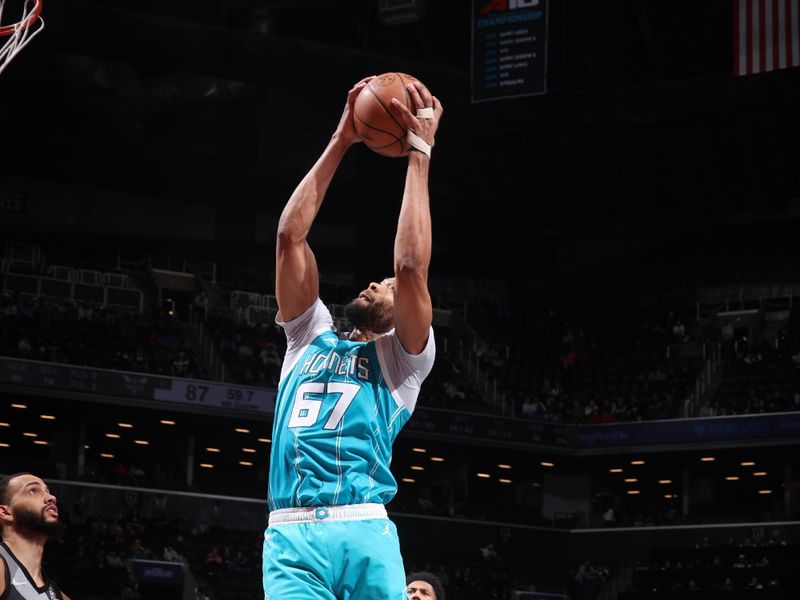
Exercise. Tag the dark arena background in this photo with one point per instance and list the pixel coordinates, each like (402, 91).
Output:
(614, 410)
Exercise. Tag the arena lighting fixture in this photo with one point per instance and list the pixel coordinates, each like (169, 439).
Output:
(167, 422)
(545, 463)
(245, 463)
(5, 424)
(241, 430)
(40, 442)
(207, 465)
(668, 496)
(504, 480)
(29, 434)
(615, 470)
(47, 417)
(125, 425)
(504, 466)
(437, 459)
(760, 474)
(106, 455)
(86, 446)
(637, 462)
(665, 481)
(748, 463)
(212, 449)
(763, 492)
(631, 480)
(17, 405)
(4, 445)
(408, 480)
(249, 450)
(265, 440)
(707, 459)
(419, 450)
(141, 442)
(732, 478)
(483, 475)
(114, 436)
(634, 492)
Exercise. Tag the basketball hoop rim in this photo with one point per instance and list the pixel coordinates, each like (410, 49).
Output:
(7, 30)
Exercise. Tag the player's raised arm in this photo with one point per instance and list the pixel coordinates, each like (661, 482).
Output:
(413, 312)
(296, 277)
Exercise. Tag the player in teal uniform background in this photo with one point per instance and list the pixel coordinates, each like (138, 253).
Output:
(342, 402)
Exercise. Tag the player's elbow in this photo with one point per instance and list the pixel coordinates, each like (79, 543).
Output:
(290, 235)
(407, 267)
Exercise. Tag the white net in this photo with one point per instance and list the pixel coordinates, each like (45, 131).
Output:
(18, 34)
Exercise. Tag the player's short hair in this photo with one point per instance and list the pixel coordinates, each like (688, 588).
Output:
(428, 578)
(5, 483)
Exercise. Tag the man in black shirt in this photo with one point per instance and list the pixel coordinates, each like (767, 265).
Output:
(29, 516)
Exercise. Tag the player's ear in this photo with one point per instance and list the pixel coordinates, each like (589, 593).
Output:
(5, 514)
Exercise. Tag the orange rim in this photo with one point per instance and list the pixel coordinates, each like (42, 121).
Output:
(9, 29)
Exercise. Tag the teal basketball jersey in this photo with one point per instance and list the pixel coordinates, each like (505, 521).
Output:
(340, 406)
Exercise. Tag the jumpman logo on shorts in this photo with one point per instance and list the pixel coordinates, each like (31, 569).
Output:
(386, 531)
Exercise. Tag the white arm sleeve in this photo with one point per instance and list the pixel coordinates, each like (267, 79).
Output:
(301, 331)
(404, 372)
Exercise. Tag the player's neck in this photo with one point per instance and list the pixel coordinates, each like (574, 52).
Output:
(357, 335)
(28, 550)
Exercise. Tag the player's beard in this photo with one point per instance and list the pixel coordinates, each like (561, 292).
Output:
(369, 317)
(35, 522)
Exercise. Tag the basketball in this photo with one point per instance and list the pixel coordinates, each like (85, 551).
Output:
(374, 121)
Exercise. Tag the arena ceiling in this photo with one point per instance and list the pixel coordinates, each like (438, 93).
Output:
(228, 102)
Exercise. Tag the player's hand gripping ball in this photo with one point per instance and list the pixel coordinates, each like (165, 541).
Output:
(375, 123)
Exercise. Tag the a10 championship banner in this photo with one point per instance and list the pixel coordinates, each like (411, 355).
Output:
(509, 48)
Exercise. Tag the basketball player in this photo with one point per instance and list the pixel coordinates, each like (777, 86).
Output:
(342, 402)
(424, 586)
(29, 516)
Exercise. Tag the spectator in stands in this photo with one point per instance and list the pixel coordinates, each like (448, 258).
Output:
(24, 348)
(200, 305)
(424, 585)
(85, 312)
(29, 517)
(200, 594)
(755, 584)
(679, 331)
(528, 408)
(727, 585)
(214, 560)
(707, 410)
(726, 334)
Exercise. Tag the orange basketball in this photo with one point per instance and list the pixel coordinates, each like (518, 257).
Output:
(375, 123)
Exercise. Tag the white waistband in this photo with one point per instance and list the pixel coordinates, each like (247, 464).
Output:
(317, 514)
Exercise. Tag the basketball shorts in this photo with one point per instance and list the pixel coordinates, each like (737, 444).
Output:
(347, 552)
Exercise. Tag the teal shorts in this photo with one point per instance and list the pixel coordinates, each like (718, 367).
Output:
(333, 560)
